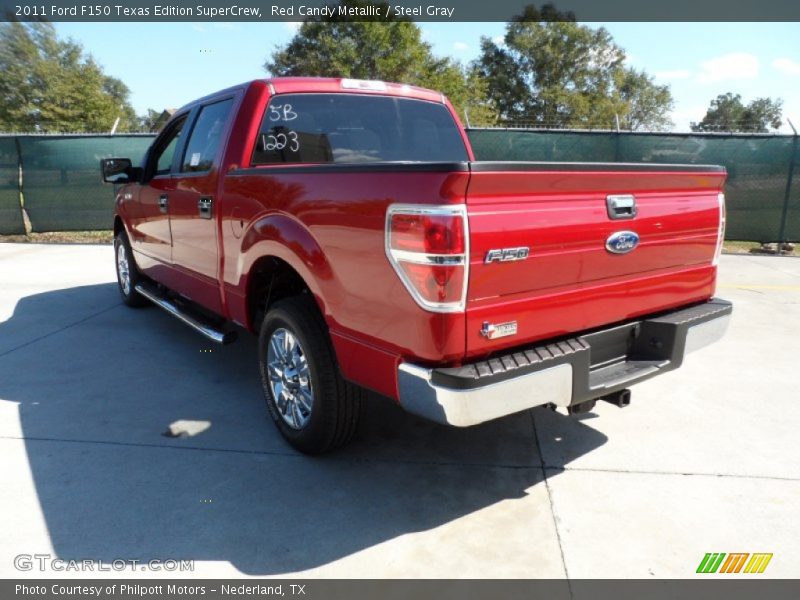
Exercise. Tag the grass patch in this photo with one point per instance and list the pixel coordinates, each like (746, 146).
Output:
(62, 237)
(734, 247)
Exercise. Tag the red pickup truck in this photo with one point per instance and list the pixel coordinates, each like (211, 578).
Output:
(348, 224)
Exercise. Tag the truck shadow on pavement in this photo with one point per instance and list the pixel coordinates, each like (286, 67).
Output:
(98, 384)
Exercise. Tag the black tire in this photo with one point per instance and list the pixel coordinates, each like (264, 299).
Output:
(336, 403)
(128, 292)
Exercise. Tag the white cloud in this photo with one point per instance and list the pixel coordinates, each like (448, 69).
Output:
(673, 74)
(791, 111)
(461, 46)
(198, 27)
(737, 65)
(293, 26)
(786, 66)
(499, 40)
(683, 117)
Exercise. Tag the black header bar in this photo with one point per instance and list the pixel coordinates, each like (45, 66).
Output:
(381, 589)
(416, 10)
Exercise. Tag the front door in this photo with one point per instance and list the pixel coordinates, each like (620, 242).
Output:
(151, 238)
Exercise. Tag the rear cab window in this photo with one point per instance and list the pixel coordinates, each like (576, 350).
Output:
(352, 128)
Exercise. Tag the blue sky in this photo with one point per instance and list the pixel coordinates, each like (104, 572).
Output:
(169, 64)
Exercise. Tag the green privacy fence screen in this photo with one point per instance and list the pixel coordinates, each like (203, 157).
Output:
(10, 209)
(759, 167)
(61, 182)
(62, 190)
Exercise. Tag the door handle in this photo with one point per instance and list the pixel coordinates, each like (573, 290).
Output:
(163, 203)
(621, 207)
(204, 208)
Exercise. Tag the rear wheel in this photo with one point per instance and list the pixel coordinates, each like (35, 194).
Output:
(314, 408)
(127, 273)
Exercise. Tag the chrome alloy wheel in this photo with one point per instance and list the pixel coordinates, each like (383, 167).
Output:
(123, 271)
(289, 378)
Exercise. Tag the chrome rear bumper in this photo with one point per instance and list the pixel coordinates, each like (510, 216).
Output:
(563, 372)
(462, 408)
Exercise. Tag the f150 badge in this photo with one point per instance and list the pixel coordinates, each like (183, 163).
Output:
(622, 242)
(507, 254)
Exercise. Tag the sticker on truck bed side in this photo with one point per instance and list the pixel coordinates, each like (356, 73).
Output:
(498, 330)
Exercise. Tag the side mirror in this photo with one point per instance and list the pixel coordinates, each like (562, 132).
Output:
(119, 170)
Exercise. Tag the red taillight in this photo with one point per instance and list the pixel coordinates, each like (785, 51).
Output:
(435, 284)
(427, 246)
(430, 234)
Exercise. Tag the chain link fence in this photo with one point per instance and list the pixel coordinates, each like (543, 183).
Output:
(10, 209)
(56, 179)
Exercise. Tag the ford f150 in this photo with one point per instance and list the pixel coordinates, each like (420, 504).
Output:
(348, 224)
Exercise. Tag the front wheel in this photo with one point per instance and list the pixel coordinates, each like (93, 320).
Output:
(127, 273)
(314, 408)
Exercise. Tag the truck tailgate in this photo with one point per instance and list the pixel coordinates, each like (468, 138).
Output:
(570, 281)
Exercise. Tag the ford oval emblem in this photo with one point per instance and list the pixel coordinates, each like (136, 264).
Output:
(622, 242)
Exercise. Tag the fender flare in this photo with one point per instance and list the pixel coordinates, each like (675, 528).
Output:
(281, 236)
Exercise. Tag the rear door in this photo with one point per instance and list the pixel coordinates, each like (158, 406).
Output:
(193, 206)
(563, 248)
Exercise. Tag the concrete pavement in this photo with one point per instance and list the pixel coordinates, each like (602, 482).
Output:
(704, 460)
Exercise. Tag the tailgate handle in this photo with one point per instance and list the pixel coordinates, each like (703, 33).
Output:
(621, 207)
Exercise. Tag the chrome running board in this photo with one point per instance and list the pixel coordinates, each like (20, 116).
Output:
(204, 328)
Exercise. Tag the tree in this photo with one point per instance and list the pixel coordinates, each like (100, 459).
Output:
(553, 72)
(646, 105)
(151, 120)
(385, 48)
(48, 84)
(727, 113)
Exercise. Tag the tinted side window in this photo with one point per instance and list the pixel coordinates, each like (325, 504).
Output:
(349, 128)
(166, 151)
(206, 137)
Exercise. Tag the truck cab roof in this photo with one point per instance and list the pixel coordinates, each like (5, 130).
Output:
(285, 85)
(311, 85)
